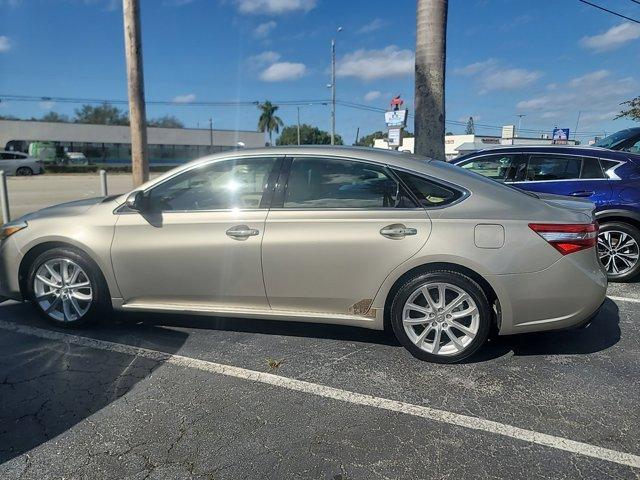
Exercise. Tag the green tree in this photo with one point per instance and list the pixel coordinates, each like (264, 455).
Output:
(105, 114)
(167, 121)
(309, 135)
(471, 128)
(369, 140)
(632, 111)
(269, 121)
(54, 117)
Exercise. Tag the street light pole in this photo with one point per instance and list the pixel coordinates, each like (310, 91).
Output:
(520, 115)
(298, 126)
(333, 91)
(210, 135)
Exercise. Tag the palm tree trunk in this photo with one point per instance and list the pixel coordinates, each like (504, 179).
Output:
(431, 44)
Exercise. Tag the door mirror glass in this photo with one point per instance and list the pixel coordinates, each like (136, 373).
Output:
(135, 201)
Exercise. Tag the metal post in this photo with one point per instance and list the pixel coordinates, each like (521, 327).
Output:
(103, 183)
(210, 135)
(298, 126)
(4, 198)
(333, 92)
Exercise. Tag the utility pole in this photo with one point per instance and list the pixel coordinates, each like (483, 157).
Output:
(333, 89)
(135, 85)
(298, 126)
(210, 135)
(431, 46)
(575, 131)
(357, 135)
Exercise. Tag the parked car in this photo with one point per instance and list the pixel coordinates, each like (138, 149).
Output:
(627, 140)
(348, 236)
(610, 179)
(17, 163)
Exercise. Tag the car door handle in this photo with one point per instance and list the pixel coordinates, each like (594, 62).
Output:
(397, 231)
(241, 232)
(582, 193)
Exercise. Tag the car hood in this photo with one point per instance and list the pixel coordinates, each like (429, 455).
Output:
(572, 203)
(68, 209)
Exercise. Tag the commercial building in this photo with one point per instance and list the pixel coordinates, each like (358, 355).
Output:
(109, 144)
(457, 145)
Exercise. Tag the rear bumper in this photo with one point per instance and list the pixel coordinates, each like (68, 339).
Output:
(565, 295)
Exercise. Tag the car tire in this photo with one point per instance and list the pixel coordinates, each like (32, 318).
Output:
(24, 172)
(419, 323)
(610, 236)
(74, 299)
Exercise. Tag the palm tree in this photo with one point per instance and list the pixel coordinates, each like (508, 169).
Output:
(431, 46)
(268, 121)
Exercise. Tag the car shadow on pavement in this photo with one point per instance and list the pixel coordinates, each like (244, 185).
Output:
(48, 386)
(602, 333)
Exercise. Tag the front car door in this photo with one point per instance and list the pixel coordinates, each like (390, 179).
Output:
(336, 229)
(197, 243)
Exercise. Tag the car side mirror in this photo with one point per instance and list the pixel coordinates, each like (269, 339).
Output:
(136, 200)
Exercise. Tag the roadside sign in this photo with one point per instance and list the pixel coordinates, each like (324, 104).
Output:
(396, 118)
(560, 135)
(395, 137)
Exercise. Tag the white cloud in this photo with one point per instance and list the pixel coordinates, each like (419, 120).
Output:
(283, 71)
(265, 58)
(186, 98)
(577, 94)
(5, 44)
(372, 64)
(372, 95)
(264, 29)
(490, 75)
(613, 38)
(47, 104)
(274, 7)
(372, 26)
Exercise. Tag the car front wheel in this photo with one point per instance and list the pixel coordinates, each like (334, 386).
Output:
(24, 172)
(618, 250)
(67, 288)
(441, 316)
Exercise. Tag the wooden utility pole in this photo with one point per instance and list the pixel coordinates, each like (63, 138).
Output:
(135, 84)
(431, 46)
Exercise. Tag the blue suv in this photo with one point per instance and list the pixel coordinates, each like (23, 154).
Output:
(610, 179)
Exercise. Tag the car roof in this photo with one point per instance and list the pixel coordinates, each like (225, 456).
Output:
(564, 149)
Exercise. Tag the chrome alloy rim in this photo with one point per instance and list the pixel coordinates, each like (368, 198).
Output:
(62, 289)
(617, 251)
(441, 318)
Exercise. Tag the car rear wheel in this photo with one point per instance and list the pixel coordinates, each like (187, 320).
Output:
(67, 288)
(24, 171)
(441, 316)
(619, 249)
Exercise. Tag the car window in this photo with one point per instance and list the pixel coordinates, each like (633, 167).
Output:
(334, 183)
(227, 184)
(634, 148)
(608, 164)
(553, 167)
(6, 156)
(504, 168)
(429, 193)
(591, 168)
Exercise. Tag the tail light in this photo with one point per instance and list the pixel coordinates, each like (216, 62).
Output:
(568, 238)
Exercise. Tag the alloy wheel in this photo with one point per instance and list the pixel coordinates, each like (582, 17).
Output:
(618, 251)
(62, 289)
(441, 318)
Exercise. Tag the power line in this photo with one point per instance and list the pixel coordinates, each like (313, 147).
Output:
(611, 11)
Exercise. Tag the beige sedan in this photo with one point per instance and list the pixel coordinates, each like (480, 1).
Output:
(359, 237)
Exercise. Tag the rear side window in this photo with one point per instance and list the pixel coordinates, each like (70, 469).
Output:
(608, 164)
(325, 183)
(429, 193)
(553, 167)
(591, 168)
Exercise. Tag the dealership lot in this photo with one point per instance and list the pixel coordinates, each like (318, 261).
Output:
(154, 396)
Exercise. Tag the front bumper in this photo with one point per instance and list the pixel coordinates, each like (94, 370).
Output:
(564, 295)
(10, 258)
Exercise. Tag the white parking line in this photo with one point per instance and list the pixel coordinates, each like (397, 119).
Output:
(429, 413)
(624, 299)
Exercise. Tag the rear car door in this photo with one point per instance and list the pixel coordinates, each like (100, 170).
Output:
(197, 242)
(563, 174)
(337, 227)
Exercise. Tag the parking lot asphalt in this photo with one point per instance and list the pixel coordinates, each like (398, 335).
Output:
(155, 396)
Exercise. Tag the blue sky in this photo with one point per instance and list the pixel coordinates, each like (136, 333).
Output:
(546, 59)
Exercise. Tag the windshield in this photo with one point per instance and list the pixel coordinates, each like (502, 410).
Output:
(616, 138)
